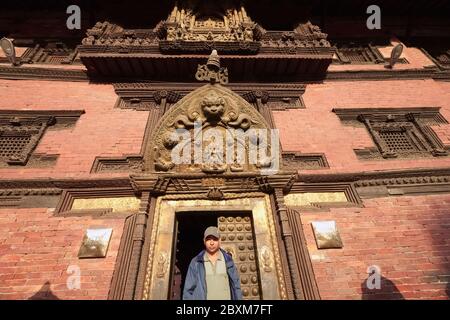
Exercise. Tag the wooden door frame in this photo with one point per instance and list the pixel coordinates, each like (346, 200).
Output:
(130, 272)
(157, 282)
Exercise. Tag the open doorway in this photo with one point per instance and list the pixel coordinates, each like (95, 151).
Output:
(237, 238)
(189, 228)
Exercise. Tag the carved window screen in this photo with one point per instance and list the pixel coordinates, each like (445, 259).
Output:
(400, 137)
(444, 57)
(397, 140)
(441, 55)
(360, 54)
(399, 132)
(54, 55)
(19, 137)
(396, 137)
(285, 102)
(12, 145)
(21, 131)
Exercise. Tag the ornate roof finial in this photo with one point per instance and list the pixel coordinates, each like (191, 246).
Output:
(211, 71)
(213, 61)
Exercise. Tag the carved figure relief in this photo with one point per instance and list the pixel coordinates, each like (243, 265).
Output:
(209, 123)
(212, 130)
(231, 25)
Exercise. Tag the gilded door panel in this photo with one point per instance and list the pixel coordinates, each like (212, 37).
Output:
(237, 238)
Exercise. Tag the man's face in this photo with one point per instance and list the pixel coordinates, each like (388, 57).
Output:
(212, 244)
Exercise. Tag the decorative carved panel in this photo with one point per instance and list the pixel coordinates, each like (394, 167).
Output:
(125, 164)
(29, 198)
(97, 202)
(352, 51)
(304, 161)
(215, 107)
(192, 30)
(53, 53)
(359, 55)
(145, 96)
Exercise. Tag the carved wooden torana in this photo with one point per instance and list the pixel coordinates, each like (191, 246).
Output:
(213, 121)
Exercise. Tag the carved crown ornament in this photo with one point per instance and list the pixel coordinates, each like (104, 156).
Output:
(211, 25)
(212, 130)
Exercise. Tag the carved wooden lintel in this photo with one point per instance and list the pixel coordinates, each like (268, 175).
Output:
(201, 183)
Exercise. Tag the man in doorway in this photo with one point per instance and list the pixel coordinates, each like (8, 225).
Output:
(212, 274)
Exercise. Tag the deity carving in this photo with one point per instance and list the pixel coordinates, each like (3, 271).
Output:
(211, 119)
(232, 25)
(212, 130)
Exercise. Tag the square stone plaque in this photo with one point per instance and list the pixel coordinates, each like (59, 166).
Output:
(95, 243)
(326, 234)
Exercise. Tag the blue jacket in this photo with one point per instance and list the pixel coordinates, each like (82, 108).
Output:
(195, 283)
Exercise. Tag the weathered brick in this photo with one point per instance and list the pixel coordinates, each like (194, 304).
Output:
(416, 262)
(39, 255)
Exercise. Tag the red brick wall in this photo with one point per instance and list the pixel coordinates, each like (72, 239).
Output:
(102, 131)
(415, 57)
(408, 237)
(36, 248)
(317, 129)
(109, 132)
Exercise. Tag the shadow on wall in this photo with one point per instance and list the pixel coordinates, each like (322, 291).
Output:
(386, 290)
(45, 293)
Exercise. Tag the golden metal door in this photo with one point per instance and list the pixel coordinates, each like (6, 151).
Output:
(238, 239)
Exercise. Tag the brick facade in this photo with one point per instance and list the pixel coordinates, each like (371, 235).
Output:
(318, 129)
(39, 254)
(406, 236)
(120, 132)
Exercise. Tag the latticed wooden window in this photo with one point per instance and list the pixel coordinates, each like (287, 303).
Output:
(358, 54)
(397, 132)
(38, 54)
(397, 141)
(437, 49)
(401, 135)
(19, 137)
(56, 59)
(13, 145)
(444, 58)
